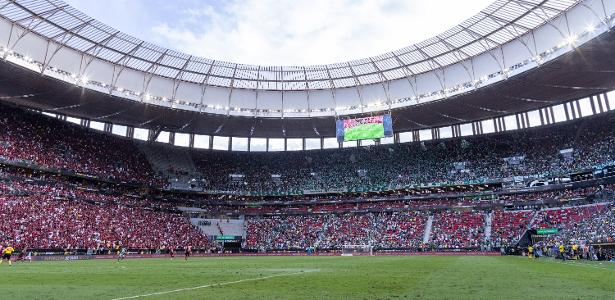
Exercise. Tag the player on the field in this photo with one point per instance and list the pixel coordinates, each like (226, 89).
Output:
(29, 256)
(562, 251)
(25, 254)
(22, 254)
(172, 252)
(188, 252)
(6, 254)
(530, 252)
(122, 254)
(575, 251)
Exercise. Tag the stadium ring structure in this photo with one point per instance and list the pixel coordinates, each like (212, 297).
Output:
(513, 59)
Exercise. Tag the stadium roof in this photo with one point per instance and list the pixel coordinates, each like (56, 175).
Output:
(512, 57)
(499, 23)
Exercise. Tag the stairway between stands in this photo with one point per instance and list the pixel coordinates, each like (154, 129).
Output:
(488, 220)
(427, 234)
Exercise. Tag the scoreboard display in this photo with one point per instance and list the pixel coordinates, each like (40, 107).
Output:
(367, 128)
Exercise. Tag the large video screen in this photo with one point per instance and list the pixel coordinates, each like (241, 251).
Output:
(367, 128)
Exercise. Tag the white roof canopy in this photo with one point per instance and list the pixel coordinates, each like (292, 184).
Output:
(499, 23)
(505, 39)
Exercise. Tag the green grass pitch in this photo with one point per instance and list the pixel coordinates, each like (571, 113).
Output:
(364, 132)
(410, 277)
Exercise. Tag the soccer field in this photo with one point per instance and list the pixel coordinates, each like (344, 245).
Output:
(387, 277)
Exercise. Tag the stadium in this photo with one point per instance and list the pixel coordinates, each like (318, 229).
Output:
(477, 163)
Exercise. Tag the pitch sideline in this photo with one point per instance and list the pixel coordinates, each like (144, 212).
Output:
(213, 284)
(578, 263)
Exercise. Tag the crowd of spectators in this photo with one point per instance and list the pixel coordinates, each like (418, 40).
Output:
(384, 230)
(599, 228)
(586, 223)
(457, 230)
(557, 150)
(399, 202)
(56, 213)
(584, 232)
(52, 214)
(400, 229)
(45, 142)
(451, 230)
(565, 218)
(508, 226)
(562, 149)
(284, 232)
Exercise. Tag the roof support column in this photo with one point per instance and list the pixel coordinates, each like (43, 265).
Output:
(566, 112)
(500, 125)
(593, 105)
(416, 136)
(456, 130)
(172, 138)
(598, 100)
(579, 113)
(477, 127)
(606, 101)
(130, 132)
(573, 110)
(435, 133)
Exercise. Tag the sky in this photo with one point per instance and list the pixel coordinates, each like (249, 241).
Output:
(274, 32)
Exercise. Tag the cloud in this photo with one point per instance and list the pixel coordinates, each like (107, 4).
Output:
(274, 32)
(277, 32)
(125, 15)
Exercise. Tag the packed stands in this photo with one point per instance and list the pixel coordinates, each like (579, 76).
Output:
(557, 150)
(599, 228)
(35, 139)
(400, 229)
(284, 232)
(458, 230)
(51, 210)
(566, 218)
(508, 226)
(52, 214)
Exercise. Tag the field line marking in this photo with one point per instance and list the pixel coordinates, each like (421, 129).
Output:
(584, 264)
(578, 263)
(211, 285)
